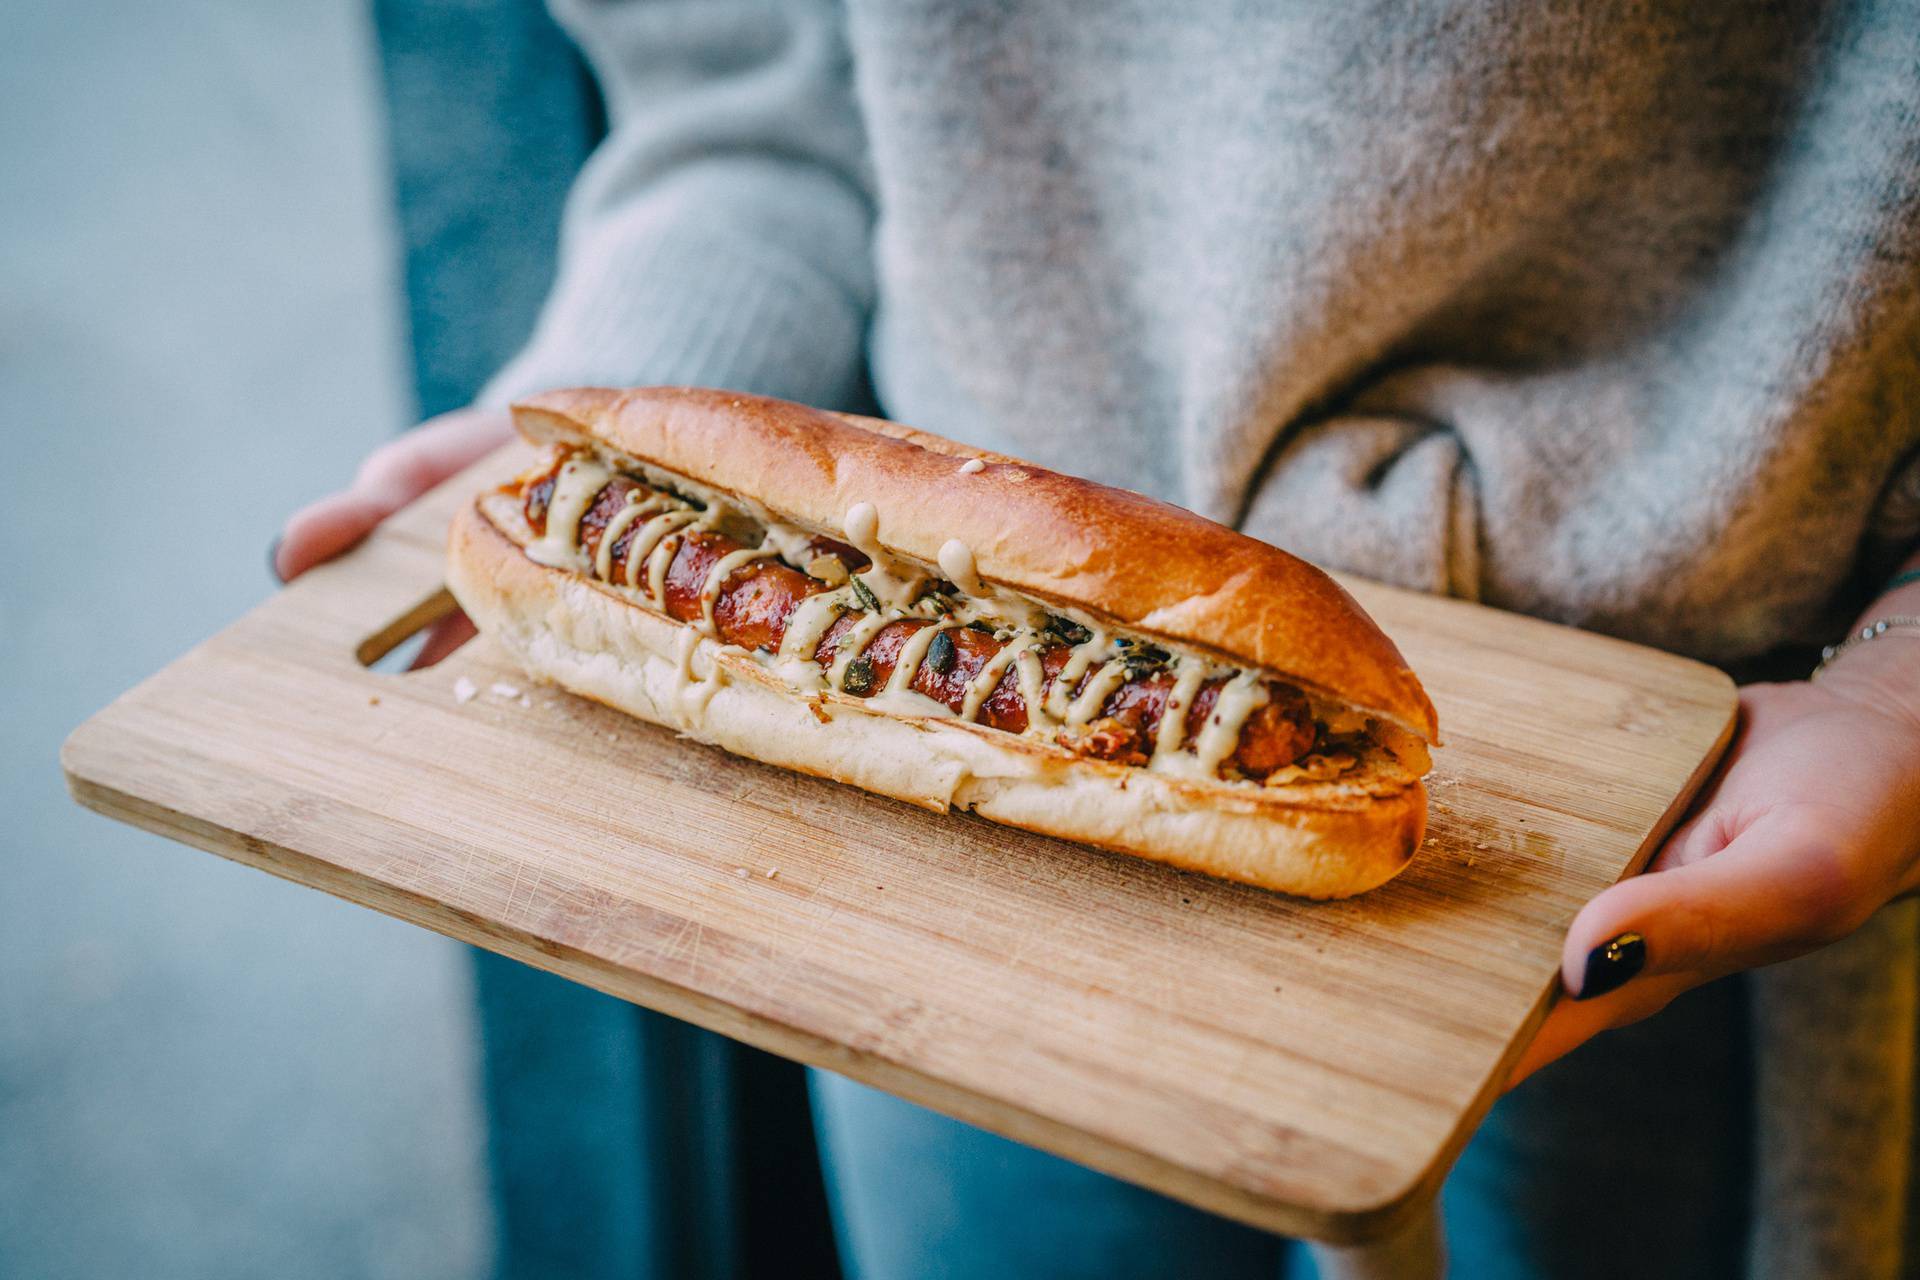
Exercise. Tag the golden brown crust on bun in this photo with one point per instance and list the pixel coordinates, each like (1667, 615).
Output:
(1145, 565)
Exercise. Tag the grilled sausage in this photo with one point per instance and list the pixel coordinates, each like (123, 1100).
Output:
(756, 600)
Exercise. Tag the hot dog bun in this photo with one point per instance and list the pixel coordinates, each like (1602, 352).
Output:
(1109, 554)
(1147, 565)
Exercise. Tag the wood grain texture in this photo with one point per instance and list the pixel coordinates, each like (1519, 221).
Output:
(1311, 1068)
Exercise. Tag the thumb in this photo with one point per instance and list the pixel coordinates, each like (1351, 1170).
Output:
(392, 476)
(1780, 887)
(1574, 1022)
(322, 530)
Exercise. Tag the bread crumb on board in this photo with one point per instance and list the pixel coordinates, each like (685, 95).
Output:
(501, 689)
(465, 691)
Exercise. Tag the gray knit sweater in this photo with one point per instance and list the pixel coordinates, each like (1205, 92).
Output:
(1604, 312)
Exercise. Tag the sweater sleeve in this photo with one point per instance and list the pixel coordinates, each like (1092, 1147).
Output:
(720, 234)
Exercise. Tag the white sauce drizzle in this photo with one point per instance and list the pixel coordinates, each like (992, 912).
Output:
(912, 654)
(1172, 733)
(692, 692)
(791, 542)
(985, 680)
(893, 583)
(1082, 657)
(657, 565)
(899, 697)
(720, 513)
(684, 644)
(637, 506)
(862, 525)
(827, 567)
(850, 646)
(580, 481)
(1033, 682)
(717, 577)
(652, 533)
(807, 625)
(956, 561)
(1095, 695)
(1239, 698)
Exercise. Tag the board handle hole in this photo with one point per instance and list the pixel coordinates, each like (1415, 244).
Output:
(418, 638)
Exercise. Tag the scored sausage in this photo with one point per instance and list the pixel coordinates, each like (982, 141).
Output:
(757, 599)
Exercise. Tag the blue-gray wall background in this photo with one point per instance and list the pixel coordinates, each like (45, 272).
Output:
(204, 1072)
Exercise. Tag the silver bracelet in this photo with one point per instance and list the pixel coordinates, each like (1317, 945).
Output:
(1872, 631)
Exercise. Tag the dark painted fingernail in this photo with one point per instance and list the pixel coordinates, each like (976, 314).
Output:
(1610, 964)
(273, 560)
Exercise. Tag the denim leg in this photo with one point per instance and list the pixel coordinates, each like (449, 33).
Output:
(1631, 1156)
(626, 1145)
(917, 1196)
(565, 1126)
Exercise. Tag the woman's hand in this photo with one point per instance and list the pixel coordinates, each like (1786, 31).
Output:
(392, 476)
(1811, 825)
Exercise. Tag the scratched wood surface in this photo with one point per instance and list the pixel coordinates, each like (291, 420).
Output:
(1309, 1068)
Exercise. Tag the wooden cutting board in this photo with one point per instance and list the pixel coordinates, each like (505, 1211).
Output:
(1309, 1068)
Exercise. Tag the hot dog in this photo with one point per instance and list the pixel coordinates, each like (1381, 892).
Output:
(753, 603)
(856, 599)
